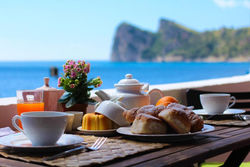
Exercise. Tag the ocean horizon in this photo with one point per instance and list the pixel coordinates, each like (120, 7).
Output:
(18, 75)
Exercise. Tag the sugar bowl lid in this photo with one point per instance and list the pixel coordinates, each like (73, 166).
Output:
(128, 81)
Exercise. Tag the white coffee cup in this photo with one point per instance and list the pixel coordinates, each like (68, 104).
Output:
(216, 103)
(42, 128)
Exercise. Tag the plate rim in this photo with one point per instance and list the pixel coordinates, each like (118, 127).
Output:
(235, 109)
(39, 147)
(212, 128)
(95, 131)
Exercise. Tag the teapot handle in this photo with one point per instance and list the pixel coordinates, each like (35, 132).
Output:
(155, 90)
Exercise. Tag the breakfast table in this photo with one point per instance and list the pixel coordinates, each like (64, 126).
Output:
(123, 151)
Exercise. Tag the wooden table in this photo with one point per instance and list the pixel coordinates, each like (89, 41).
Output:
(236, 139)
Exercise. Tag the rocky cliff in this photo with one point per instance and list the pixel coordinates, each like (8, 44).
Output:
(174, 42)
(130, 42)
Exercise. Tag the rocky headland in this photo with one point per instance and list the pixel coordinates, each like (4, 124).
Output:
(174, 42)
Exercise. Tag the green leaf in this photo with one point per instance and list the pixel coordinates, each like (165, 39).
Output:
(70, 103)
(65, 97)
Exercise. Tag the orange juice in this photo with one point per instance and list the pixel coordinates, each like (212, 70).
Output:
(26, 107)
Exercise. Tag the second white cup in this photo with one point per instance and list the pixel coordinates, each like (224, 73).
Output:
(216, 103)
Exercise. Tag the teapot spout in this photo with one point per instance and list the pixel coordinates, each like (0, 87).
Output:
(145, 87)
(118, 101)
(102, 95)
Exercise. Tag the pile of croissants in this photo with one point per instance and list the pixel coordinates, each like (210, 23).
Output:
(173, 118)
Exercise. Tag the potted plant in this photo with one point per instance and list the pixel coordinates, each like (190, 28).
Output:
(76, 84)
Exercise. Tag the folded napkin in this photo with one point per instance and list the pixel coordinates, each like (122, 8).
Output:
(6, 131)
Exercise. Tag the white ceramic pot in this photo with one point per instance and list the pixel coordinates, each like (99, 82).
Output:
(131, 92)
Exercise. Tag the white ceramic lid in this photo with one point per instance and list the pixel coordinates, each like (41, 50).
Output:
(128, 81)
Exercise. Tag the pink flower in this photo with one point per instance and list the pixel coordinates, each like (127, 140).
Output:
(78, 69)
(87, 68)
(71, 62)
(72, 86)
(96, 86)
(59, 81)
(73, 74)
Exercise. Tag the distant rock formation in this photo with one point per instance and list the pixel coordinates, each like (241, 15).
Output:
(174, 42)
(130, 42)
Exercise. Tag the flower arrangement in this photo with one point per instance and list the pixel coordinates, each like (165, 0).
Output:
(76, 84)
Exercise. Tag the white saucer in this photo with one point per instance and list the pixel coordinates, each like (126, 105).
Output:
(163, 137)
(226, 112)
(19, 141)
(97, 132)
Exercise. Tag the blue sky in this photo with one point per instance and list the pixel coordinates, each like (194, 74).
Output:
(81, 29)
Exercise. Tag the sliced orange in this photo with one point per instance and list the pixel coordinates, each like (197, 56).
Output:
(166, 100)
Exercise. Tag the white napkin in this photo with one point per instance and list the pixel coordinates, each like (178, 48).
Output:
(6, 131)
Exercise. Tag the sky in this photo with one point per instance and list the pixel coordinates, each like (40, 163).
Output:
(84, 29)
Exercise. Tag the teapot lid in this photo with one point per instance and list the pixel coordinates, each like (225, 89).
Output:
(128, 81)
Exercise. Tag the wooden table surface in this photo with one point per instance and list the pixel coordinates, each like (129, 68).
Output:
(236, 139)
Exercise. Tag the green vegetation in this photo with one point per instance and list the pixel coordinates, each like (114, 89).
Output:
(176, 40)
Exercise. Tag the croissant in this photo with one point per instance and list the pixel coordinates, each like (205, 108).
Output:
(177, 119)
(196, 121)
(130, 115)
(148, 124)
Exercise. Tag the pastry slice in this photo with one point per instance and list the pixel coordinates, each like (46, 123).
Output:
(177, 119)
(148, 124)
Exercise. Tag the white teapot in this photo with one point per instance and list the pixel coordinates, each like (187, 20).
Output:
(131, 92)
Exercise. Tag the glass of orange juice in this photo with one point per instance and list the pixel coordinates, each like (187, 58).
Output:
(29, 100)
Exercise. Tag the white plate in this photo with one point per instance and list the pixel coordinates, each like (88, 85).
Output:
(227, 112)
(97, 132)
(19, 142)
(163, 137)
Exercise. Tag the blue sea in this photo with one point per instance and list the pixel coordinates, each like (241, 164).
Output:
(29, 75)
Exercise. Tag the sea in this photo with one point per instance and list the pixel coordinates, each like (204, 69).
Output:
(29, 75)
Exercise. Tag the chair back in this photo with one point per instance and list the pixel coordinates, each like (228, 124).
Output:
(242, 99)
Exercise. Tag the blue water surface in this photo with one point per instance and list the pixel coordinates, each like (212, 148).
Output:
(29, 75)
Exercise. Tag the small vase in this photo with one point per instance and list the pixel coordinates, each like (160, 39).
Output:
(77, 107)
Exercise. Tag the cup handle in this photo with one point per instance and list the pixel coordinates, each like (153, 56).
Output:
(234, 101)
(14, 123)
